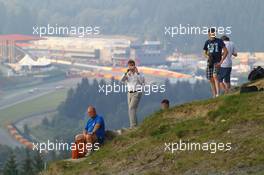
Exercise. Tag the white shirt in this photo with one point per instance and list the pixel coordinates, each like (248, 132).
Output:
(231, 50)
(134, 81)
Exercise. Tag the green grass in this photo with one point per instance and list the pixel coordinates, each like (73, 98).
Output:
(236, 118)
(39, 104)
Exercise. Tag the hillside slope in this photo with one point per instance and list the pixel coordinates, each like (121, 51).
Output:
(235, 118)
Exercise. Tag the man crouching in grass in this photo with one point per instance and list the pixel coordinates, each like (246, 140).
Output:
(95, 128)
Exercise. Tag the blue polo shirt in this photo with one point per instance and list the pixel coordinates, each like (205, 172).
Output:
(100, 133)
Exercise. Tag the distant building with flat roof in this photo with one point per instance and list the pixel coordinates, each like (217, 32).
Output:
(148, 52)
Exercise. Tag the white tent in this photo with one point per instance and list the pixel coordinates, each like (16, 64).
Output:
(28, 61)
(43, 62)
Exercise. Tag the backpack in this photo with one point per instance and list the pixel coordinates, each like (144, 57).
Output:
(256, 73)
(247, 89)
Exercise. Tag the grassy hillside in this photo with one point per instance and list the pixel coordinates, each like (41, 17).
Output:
(235, 118)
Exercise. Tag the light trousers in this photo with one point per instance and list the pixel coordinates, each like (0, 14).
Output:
(133, 101)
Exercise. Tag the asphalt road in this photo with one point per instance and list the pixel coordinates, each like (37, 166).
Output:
(15, 97)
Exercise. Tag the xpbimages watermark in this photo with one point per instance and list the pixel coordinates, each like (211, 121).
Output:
(211, 147)
(188, 29)
(123, 88)
(62, 146)
(80, 31)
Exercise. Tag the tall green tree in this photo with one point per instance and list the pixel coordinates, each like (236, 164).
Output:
(11, 166)
(38, 162)
(26, 130)
(27, 165)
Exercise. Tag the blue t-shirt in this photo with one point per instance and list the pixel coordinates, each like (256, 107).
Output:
(100, 133)
(214, 49)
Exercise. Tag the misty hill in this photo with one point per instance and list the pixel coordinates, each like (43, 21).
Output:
(236, 118)
(144, 18)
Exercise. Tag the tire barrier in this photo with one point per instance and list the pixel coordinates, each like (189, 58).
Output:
(89, 74)
(146, 70)
(14, 132)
